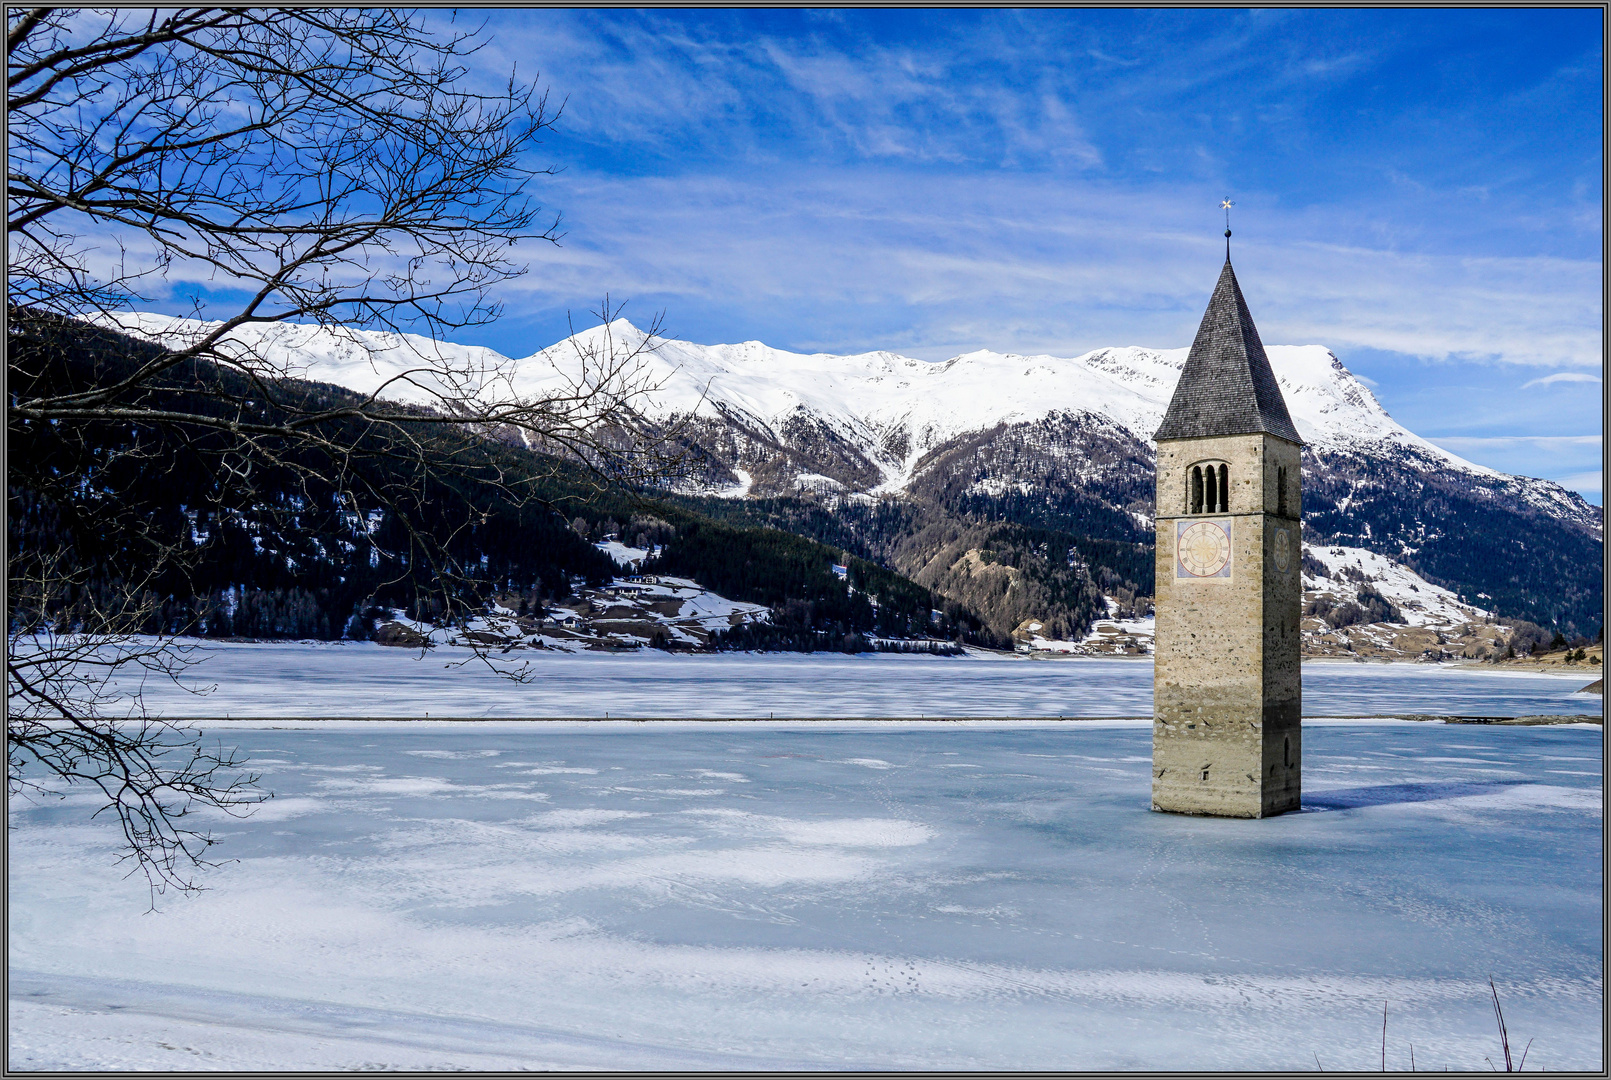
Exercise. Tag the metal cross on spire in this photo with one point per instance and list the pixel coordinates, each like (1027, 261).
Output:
(1226, 204)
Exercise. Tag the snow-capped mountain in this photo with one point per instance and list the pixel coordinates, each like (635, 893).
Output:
(885, 415)
(1059, 442)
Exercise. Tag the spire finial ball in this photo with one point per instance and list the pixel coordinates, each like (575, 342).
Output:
(1227, 234)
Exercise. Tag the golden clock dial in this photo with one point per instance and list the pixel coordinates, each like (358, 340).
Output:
(1204, 549)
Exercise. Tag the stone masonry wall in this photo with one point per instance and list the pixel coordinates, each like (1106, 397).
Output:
(1227, 686)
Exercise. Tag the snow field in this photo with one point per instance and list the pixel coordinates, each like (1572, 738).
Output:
(698, 896)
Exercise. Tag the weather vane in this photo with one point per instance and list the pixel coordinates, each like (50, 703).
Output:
(1226, 204)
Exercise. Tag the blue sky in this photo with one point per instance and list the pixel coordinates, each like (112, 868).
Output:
(1420, 191)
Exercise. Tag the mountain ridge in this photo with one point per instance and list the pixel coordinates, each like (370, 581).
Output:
(1327, 404)
(1049, 442)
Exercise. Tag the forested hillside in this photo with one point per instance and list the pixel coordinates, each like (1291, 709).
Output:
(1037, 520)
(1002, 567)
(126, 515)
(795, 577)
(1475, 538)
(268, 549)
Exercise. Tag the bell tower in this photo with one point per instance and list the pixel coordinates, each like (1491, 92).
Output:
(1227, 690)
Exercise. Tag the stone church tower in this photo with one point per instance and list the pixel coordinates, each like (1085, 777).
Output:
(1227, 692)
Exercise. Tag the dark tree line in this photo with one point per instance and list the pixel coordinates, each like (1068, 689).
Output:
(290, 551)
(812, 607)
(1069, 510)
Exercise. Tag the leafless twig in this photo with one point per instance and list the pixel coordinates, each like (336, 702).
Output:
(294, 176)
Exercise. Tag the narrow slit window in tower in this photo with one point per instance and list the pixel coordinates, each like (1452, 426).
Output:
(1224, 489)
(1210, 490)
(1281, 491)
(1196, 489)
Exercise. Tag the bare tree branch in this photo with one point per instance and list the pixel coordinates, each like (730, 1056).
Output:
(70, 721)
(344, 172)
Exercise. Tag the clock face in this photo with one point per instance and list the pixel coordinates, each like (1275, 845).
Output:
(1203, 549)
(1283, 549)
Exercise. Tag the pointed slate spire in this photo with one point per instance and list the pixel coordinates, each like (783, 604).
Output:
(1227, 387)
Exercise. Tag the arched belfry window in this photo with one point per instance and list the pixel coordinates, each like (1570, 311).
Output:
(1208, 489)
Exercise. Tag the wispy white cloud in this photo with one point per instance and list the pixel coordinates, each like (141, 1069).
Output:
(664, 85)
(1333, 65)
(1536, 310)
(1562, 377)
(1548, 443)
(862, 258)
(1097, 54)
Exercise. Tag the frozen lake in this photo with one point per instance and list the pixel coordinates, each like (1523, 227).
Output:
(692, 895)
(362, 679)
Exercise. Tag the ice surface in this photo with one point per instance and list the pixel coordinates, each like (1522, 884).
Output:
(697, 895)
(364, 679)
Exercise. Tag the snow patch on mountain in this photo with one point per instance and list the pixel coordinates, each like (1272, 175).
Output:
(396, 367)
(1419, 601)
(628, 558)
(738, 490)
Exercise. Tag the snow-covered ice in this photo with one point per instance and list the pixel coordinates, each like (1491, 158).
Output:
(698, 895)
(364, 679)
